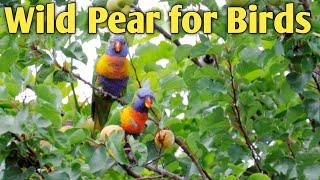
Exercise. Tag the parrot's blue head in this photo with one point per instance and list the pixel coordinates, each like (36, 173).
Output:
(144, 100)
(117, 46)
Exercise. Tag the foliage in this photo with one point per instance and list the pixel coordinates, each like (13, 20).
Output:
(256, 106)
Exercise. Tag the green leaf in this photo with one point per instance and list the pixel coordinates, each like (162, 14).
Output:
(172, 82)
(139, 150)
(49, 112)
(297, 81)
(258, 176)
(77, 136)
(115, 144)
(57, 175)
(312, 107)
(312, 172)
(13, 88)
(44, 71)
(8, 58)
(183, 52)
(74, 50)
(60, 76)
(49, 94)
(10, 124)
(100, 161)
(250, 54)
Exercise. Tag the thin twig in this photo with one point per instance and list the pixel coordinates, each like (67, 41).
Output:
(204, 174)
(30, 151)
(242, 129)
(100, 91)
(71, 83)
(316, 82)
(129, 171)
(290, 148)
(74, 92)
(154, 168)
(135, 70)
(163, 172)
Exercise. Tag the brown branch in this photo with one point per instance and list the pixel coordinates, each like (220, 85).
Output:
(204, 174)
(75, 98)
(135, 70)
(129, 171)
(163, 172)
(185, 148)
(236, 111)
(32, 157)
(306, 4)
(179, 142)
(100, 91)
(289, 144)
(316, 82)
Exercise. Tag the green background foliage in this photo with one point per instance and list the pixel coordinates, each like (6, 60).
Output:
(272, 79)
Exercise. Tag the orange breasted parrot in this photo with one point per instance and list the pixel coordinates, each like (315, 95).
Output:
(111, 74)
(134, 117)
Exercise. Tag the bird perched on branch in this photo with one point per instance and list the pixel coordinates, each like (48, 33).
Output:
(111, 74)
(134, 117)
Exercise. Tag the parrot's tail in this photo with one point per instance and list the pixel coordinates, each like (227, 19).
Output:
(101, 108)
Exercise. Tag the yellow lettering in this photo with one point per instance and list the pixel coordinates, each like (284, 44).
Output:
(40, 18)
(136, 25)
(253, 19)
(97, 15)
(263, 17)
(208, 17)
(114, 19)
(197, 22)
(174, 15)
(236, 16)
(50, 18)
(303, 22)
(151, 16)
(19, 20)
(288, 16)
(70, 17)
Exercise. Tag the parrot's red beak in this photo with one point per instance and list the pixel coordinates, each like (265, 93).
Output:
(148, 102)
(117, 46)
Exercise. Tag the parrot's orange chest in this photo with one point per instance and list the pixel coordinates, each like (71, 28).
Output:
(113, 67)
(132, 121)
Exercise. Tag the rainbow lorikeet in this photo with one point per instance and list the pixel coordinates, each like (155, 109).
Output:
(112, 74)
(134, 117)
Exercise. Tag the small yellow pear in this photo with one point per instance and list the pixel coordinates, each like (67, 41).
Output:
(164, 139)
(65, 128)
(108, 130)
(88, 124)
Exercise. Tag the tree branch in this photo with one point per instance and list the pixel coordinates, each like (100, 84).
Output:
(163, 172)
(100, 91)
(316, 82)
(236, 111)
(203, 172)
(306, 4)
(129, 171)
(135, 71)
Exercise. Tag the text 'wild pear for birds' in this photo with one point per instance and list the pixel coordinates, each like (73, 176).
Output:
(239, 20)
